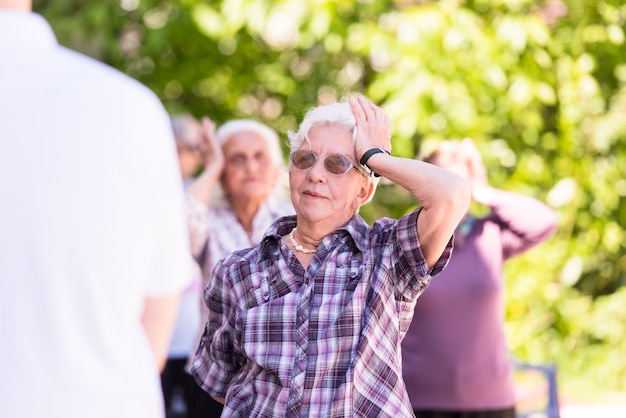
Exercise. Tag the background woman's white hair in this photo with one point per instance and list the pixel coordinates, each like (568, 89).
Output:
(334, 114)
(235, 126)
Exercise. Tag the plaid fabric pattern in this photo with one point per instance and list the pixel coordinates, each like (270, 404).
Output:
(282, 341)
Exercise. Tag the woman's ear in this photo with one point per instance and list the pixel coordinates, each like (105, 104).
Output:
(365, 194)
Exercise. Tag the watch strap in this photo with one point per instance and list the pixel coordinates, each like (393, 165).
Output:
(365, 157)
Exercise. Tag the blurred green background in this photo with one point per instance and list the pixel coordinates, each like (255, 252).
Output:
(539, 85)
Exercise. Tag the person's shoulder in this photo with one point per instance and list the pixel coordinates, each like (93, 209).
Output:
(385, 226)
(107, 80)
(242, 256)
(239, 264)
(124, 101)
(386, 229)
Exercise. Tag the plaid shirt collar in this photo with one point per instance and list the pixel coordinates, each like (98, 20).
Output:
(356, 228)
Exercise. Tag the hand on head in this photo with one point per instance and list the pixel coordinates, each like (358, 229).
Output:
(211, 150)
(464, 159)
(373, 129)
(477, 173)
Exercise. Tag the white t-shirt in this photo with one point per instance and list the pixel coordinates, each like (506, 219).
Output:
(91, 223)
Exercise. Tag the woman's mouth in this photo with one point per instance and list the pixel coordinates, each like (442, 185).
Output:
(310, 193)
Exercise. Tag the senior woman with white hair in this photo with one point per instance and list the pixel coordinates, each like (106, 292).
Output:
(231, 204)
(309, 321)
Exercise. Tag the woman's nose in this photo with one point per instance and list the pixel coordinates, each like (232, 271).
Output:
(252, 164)
(317, 171)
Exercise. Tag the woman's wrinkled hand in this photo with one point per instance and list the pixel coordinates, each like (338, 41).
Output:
(373, 129)
(481, 190)
(211, 151)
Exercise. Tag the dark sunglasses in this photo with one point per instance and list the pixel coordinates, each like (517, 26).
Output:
(334, 163)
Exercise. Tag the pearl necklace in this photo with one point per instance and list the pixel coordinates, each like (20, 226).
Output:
(297, 246)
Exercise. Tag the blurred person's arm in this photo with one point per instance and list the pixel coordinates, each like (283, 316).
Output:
(158, 320)
(198, 193)
(198, 224)
(525, 221)
(213, 162)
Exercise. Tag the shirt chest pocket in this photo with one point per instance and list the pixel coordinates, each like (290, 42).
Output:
(268, 337)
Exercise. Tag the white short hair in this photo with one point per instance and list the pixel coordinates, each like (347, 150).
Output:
(336, 114)
(235, 126)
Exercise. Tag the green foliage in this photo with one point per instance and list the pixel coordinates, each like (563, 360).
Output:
(540, 86)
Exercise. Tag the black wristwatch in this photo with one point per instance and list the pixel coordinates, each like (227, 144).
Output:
(368, 154)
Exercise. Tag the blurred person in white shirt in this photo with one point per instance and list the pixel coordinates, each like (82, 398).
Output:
(94, 249)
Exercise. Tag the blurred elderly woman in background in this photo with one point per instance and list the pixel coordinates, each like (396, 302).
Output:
(238, 194)
(232, 202)
(455, 358)
(309, 321)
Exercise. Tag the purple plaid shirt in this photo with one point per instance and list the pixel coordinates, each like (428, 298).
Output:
(282, 341)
